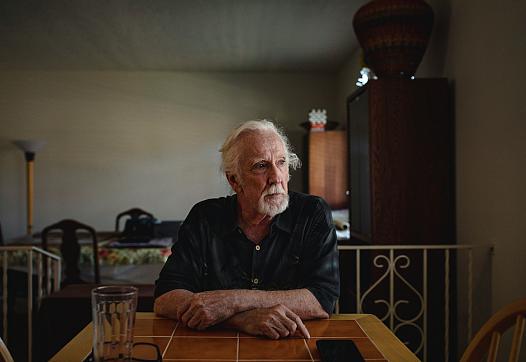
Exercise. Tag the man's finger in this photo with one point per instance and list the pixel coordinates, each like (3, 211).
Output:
(272, 333)
(290, 324)
(282, 329)
(183, 309)
(301, 326)
(194, 322)
(187, 315)
(202, 326)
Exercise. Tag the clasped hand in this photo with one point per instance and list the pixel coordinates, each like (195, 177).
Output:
(274, 322)
(202, 310)
(205, 309)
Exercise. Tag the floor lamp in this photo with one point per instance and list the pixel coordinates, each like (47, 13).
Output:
(30, 147)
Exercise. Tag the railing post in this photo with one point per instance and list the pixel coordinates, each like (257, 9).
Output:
(391, 288)
(48, 274)
(39, 278)
(4, 293)
(424, 266)
(30, 305)
(470, 293)
(58, 275)
(358, 287)
(446, 306)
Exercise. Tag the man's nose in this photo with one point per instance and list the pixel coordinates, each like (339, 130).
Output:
(275, 175)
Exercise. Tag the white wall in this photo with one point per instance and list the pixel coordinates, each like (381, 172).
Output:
(485, 56)
(116, 140)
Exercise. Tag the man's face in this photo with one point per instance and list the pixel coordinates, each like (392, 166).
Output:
(262, 183)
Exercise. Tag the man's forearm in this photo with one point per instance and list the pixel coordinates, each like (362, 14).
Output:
(300, 301)
(168, 304)
(201, 310)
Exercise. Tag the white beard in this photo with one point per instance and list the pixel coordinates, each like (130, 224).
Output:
(275, 205)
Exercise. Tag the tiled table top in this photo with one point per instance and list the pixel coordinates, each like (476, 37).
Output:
(178, 343)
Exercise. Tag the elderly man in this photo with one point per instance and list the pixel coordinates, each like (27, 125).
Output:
(260, 261)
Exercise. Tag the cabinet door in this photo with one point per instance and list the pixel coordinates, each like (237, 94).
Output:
(328, 167)
(401, 162)
(411, 163)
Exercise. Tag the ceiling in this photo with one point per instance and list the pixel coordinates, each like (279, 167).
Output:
(177, 35)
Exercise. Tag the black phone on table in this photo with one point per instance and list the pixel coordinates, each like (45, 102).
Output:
(338, 350)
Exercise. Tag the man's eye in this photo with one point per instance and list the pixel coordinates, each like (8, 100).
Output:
(281, 162)
(260, 165)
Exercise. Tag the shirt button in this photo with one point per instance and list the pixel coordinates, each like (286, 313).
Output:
(258, 247)
(255, 280)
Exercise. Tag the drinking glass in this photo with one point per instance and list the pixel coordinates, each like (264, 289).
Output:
(113, 309)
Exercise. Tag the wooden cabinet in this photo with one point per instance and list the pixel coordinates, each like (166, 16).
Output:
(401, 174)
(327, 164)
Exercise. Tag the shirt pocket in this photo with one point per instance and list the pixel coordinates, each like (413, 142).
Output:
(232, 276)
(289, 272)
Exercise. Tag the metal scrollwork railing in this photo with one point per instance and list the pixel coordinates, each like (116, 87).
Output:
(393, 282)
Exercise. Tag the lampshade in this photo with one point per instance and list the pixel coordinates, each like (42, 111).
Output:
(31, 146)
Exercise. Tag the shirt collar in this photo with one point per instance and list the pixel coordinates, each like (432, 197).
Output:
(231, 215)
(284, 220)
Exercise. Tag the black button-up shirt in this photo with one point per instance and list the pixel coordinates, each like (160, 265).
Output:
(212, 252)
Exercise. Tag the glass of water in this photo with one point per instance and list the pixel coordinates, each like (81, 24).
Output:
(113, 309)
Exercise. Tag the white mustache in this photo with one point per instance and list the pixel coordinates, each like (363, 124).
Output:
(274, 189)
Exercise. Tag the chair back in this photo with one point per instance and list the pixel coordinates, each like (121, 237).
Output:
(70, 249)
(487, 339)
(4, 352)
(134, 214)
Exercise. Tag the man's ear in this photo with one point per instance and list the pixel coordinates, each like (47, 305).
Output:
(234, 182)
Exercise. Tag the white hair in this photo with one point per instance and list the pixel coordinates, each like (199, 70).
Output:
(230, 150)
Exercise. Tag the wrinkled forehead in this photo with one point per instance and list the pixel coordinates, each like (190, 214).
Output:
(261, 144)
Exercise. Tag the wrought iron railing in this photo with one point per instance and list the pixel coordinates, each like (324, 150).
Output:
(393, 282)
(34, 263)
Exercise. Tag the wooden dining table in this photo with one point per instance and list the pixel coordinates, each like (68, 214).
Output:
(176, 342)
